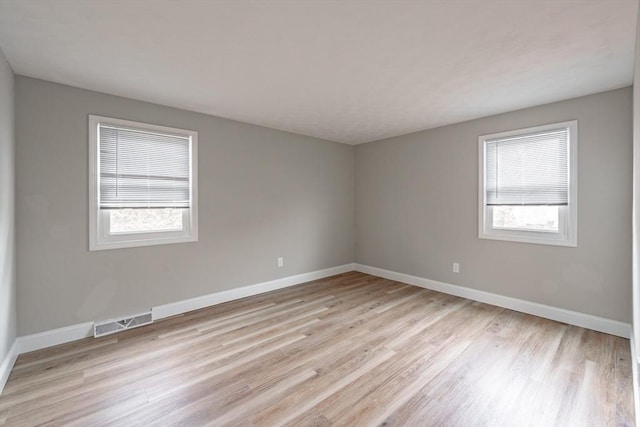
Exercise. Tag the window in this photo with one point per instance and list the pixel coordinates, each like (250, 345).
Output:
(528, 185)
(143, 184)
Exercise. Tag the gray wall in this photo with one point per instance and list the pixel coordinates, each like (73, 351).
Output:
(265, 193)
(262, 194)
(417, 210)
(7, 204)
(636, 202)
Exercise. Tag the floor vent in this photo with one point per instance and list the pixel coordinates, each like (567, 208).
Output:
(113, 326)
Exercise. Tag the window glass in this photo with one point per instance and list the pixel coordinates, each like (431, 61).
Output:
(143, 184)
(528, 185)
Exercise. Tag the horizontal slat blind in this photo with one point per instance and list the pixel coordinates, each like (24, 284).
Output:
(528, 169)
(142, 169)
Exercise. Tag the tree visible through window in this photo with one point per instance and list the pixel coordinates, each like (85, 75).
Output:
(131, 220)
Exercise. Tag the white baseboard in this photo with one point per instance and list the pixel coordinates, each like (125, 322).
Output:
(634, 372)
(184, 306)
(576, 318)
(67, 334)
(53, 337)
(46, 339)
(7, 364)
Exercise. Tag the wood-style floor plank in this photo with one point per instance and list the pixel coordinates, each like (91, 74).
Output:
(349, 350)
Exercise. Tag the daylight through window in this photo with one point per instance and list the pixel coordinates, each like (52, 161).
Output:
(528, 185)
(143, 184)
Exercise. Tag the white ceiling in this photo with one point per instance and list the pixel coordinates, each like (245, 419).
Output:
(347, 71)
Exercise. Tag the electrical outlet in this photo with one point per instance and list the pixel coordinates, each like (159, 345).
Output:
(280, 262)
(456, 267)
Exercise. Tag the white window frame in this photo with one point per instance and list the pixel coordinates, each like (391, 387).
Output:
(99, 236)
(567, 234)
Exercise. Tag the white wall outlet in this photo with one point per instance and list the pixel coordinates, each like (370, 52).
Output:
(280, 262)
(456, 267)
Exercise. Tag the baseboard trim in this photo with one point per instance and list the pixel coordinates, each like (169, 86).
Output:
(634, 373)
(7, 364)
(53, 337)
(67, 334)
(38, 341)
(184, 306)
(576, 318)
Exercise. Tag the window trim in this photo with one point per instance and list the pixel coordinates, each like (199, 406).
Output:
(98, 238)
(568, 219)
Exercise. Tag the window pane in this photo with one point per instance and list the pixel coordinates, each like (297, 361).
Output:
(144, 220)
(536, 218)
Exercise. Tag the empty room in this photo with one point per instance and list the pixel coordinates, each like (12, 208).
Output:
(319, 213)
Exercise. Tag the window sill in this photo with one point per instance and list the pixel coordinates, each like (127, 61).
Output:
(121, 244)
(529, 239)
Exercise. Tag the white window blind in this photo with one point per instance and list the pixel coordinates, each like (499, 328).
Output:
(531, 169)
(142, 169)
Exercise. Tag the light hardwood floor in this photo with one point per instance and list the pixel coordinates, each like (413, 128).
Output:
(348, 350)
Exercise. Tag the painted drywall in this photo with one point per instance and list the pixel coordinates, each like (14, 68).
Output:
(8, 317)
(417, 210)
(636, 198)
(262, 194)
